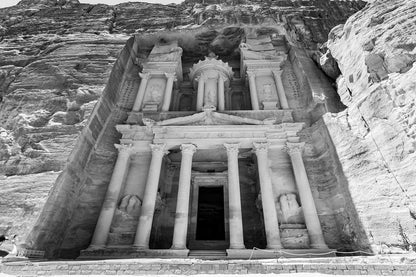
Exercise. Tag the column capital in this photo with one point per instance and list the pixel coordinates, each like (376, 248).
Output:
(277, 73)
(261, 146)
(188, 148)
(170, 75)
(201, 77)
(251, 74)
(294, 147)
(158, 148)
(124, 148)
(232, 148)
(144, 76)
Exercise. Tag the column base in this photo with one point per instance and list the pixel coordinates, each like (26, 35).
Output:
(319, 246)
(274, 247)
(128, 252)
(278, 253)
(237, 246)
(95, 247)
(140, 247)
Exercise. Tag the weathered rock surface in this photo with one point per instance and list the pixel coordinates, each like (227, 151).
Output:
(56, 57)
(375, 136)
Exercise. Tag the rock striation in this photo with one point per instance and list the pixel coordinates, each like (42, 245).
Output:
(375, 135)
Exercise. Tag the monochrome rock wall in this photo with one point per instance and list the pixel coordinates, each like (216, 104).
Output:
(375, 135)
(56, 56)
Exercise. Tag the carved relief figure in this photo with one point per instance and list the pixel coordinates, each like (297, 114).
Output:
(291, 211)
(267, 92)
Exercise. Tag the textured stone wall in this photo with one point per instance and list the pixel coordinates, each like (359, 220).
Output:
(375, 136)
(55, 59)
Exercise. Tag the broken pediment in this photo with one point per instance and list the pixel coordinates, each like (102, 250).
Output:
(209, 117)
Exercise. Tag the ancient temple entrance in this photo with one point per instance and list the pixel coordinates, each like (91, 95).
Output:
(210, 223)
(209, 212)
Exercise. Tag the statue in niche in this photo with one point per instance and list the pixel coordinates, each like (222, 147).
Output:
(267, 92)
(155, 95)
(291, 211)
(129, 203)
(210, 96)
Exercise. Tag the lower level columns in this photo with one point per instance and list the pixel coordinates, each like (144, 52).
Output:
(182, 205)
(305, 194)
(271, 223)
(144, 227)
(234, 196)
(99, 238)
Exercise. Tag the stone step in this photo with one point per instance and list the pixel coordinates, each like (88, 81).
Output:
(207, 253)
(339, 266)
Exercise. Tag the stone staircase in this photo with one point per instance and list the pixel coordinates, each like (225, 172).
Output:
(389, 265)
(208, 254)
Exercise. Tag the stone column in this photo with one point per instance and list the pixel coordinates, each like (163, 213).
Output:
(168, 91)
(102, 228)
(234, 196)
(200, 95)
(182, 204)
(221, 96)
(305, 194)
(253, 91)
(280, 89)
(271, 223)
(144, 227)
(142, 89)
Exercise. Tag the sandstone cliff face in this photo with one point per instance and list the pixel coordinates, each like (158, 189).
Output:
(56, 57)
(375, 135)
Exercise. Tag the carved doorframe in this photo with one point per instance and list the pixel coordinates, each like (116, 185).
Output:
(203, 179)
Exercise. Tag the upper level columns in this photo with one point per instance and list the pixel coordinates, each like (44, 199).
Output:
(108, 208)
(182, 204)
(234, 196)
(200, 93)
(142, 89)
(308, 205)
(280, 89)
(149, 199)
(253, 90)
(221, 96)
(168, 91)
(271, 223)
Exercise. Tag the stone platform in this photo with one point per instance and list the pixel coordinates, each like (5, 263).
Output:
(229, 254)
(373, 265)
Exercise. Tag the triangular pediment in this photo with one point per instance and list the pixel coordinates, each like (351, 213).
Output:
(208, 117)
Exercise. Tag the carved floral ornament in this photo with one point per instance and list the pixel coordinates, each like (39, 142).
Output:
(294, 147)
(159, 148)
(260, 147)
(232, 148)
(188, 148)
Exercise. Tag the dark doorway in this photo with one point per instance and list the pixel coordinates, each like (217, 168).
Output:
(210, 219)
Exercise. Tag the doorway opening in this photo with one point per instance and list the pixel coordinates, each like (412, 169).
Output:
(210, 219)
